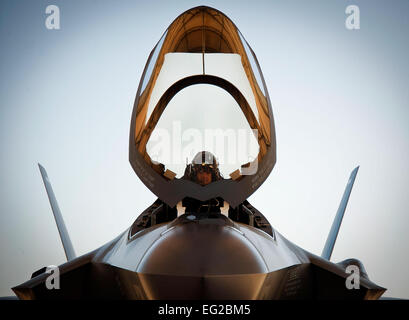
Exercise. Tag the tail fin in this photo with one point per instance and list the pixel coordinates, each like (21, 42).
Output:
(333, 233)
(65, 238)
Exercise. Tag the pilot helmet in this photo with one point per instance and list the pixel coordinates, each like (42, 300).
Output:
(203, 161)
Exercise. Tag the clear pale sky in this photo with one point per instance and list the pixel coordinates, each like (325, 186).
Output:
(340, 99)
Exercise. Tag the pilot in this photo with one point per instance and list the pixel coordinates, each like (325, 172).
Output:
(203, 170)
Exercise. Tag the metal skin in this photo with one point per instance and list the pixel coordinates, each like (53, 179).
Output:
(173, 255)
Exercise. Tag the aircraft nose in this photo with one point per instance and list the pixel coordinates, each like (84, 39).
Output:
(202, 247)
(202, 259)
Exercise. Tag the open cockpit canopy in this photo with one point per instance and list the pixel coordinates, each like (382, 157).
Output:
(201, 89)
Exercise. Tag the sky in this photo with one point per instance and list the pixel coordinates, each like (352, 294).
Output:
(339, 97)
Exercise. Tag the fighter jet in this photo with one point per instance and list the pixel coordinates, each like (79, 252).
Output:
(202, 239)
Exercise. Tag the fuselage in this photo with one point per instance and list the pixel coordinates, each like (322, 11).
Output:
(199, 257)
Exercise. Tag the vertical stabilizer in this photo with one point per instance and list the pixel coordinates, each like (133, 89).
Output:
(333, 233)
(65, 238)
